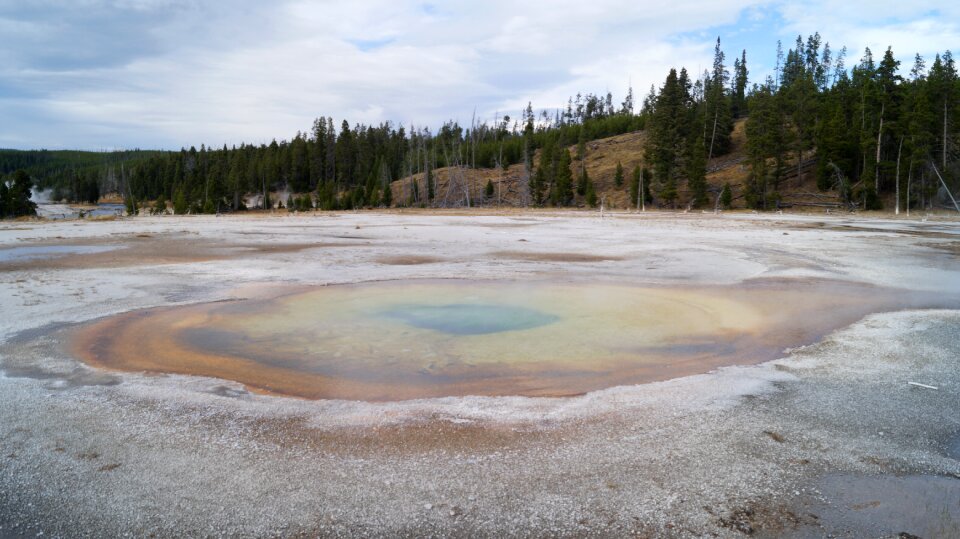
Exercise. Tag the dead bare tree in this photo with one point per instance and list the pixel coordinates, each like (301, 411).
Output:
(899, 153)
(909, 181)
(945, 187)
(876, 174)
(840, 183)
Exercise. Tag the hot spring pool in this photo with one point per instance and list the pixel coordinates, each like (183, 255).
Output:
(418, 339)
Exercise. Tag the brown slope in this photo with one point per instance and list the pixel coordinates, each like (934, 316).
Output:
(600, 162)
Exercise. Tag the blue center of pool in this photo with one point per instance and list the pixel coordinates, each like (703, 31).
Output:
(470, 318)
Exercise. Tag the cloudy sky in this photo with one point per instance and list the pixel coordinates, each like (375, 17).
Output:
(110, 74)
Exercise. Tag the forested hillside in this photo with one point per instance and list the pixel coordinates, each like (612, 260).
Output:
(75, 175)
(873, 135)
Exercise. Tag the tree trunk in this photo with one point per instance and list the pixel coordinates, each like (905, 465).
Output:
(799, 164)
(909, 180)
(899, 153)
(876, 171)
(714, 135)
(643, 199)
(923, 188)
(947, 189)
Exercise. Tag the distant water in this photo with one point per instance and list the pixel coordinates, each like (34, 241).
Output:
(106, 209)
(35, 252)
(66, 211)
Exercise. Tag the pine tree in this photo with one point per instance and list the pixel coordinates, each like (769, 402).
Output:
(738, 104)
(387, 198)
(726, 197)
(414, 198)
(180, 205)
(591, 196)
(667, 128)
(488, 190)
(945, 98)
(618, 175)
(17, 197)
(719, 124)
(159, 206)
(668, 191)
(766, 138)
(537, 182)
(627, 106)
(798, 95)
(4, 198)
(564, 180)
(889, 95)
(543, 179)
(697, 173)
(582, 180)
(429, 180)
(645, 184)
(131, 205)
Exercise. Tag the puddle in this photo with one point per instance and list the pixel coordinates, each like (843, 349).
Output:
(41, 252)
(885, 506)
(953, 447)
(418, 339)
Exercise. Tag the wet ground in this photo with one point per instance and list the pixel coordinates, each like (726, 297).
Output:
(39, 252)
(883, 506)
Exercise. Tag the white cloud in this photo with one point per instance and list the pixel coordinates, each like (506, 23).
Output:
(153, 73)
(916, 26)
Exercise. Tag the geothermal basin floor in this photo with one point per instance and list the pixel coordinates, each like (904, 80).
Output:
(828, 437)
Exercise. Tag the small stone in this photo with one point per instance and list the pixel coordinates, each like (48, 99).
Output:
(428, 506)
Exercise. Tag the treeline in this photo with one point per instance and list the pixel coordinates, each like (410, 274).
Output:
(77, 176)
(865, 134)
(343, 168)
(874, 132)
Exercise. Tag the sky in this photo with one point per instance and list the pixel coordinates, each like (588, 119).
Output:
(166, 74)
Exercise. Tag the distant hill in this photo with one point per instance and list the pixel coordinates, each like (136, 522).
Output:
(600, 162)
